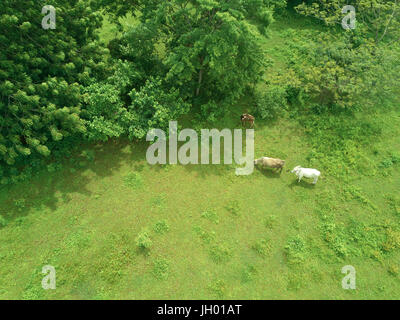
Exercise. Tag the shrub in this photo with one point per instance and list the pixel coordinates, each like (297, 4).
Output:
(220, 253)
(161, 268)
(271, 103)
(161, 227)
(295, 250)
(143, 240)
(248, 273)
(262, 247)
(211, 215)
(218, 288)
(233, 208)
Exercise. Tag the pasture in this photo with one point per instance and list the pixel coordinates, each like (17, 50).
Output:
(115, 227)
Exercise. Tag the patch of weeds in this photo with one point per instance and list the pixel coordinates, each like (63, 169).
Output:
(143, 241)
(233, 208)
(134, 180)
(262, 247)
(115, 258)
(294, 223)
(393, 270)
(386, 163)
(393, 203)
(270, 221)
(161, 269)
(392, 240)
(211, 215)
(334, 236)
(353, 192)
(3, 222)
(20, 204)
(204, 235)
(161, 227)
(295, 282)
(78, 240)
(218, 288)
(248, 273)
(33, 289)
(165, 167)
(295, 250)
(88, 155)
(158, 201)
(220, 253)
(19, 221)
(53, 167)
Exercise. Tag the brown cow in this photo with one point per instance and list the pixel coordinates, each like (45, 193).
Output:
(247, 118)
(270, 163)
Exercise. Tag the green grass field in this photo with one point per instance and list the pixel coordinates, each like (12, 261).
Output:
(213, 234)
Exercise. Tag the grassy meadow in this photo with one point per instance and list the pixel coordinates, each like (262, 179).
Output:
(115, 227)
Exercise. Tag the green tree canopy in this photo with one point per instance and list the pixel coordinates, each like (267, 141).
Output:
(41, 73)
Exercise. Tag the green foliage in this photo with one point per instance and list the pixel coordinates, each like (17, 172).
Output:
(205, 52)
(248, 273)
(41, 76)
(143, 240)
(218, 288)
(211, 215)
(161, 269)
(271, 102)
(3, 222)
(233, 208)
(161, 227)
(262, 247)
(295, 250)
(20, 204)
(270, 221)
(206, 236)
(380, 20)
(220, 253)
(134, 180)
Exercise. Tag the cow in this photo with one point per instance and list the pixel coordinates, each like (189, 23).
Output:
(247, 118)
(306, 172)
(267, 162)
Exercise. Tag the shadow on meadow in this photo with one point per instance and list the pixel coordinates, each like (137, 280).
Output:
(50, 189)
(302, 184)
(269, 173)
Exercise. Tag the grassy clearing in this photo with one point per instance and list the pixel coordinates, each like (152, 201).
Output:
(116, 228)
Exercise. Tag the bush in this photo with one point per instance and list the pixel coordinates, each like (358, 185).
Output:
(271, 103)
(262, 247)
(143, 240)
(161, 269)
(161, 227)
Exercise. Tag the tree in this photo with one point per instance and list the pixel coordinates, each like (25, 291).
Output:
(380, 19)
(41, 74)
(209, 51)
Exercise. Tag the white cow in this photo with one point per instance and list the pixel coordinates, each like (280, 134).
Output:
(306, 172)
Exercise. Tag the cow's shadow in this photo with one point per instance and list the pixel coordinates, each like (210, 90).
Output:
(302, 184)
(269, 173)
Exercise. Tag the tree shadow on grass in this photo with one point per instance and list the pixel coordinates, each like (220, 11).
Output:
(49, 190)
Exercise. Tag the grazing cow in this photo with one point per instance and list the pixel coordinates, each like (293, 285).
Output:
(270, 163)
(247, 118)
(306, 172)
